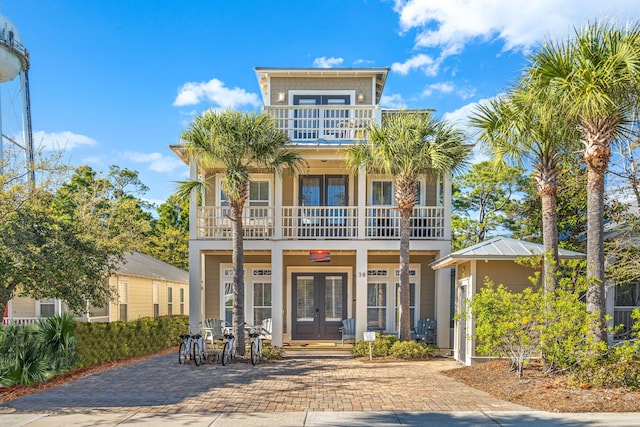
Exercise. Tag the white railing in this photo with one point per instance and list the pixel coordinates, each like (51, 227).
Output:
(383, 222)
(322, 222)
(319, 222)
(310, 123)
(20, 320)
(214, 222)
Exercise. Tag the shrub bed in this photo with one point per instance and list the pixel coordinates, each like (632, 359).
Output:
(389, 345)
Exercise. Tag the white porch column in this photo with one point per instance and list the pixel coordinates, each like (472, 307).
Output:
(277, 214)
(361, 293)
(362, 203)
(446, 197)
(196, 287)
(277, 296)
(442, 309)
(193, 203)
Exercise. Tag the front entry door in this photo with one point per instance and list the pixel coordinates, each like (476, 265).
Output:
(319, 305)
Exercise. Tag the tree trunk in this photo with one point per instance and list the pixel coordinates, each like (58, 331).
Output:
(546, 176)
(238, 276)
(598, 136)
(404, 307)
(550, 241)
(595, 252)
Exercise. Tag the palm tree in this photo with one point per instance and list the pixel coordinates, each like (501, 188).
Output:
(236, 144)
(407, 145)
(518, 128)
(592, 77)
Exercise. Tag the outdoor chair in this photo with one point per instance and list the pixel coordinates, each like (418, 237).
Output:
(425, 331)
(266, 329)
(212, 330)
(348, 329)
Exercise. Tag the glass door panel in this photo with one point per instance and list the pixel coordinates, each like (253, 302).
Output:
(333, 297)
(305, 299)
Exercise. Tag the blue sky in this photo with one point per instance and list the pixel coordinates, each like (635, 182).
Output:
(116, 81)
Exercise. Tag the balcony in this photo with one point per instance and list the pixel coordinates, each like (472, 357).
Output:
(319, 122)
(321, 222)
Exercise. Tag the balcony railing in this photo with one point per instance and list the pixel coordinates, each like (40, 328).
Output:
(330, 123)
(326, 222)
(427, 222)
(622, 316)
(321, 222)
(214, 222)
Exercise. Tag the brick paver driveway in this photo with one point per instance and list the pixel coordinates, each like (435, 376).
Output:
(161, 385)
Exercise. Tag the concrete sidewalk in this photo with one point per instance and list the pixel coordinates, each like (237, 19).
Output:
(312, 419)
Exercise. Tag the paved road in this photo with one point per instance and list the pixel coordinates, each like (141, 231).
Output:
(298, 392)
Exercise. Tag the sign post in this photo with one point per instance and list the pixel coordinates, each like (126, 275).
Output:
(370, 337)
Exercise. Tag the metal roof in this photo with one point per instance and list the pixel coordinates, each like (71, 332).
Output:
(500, 248)
(138, 264)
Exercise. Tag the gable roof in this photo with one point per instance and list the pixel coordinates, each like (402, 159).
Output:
(138, 264)
(500, 248)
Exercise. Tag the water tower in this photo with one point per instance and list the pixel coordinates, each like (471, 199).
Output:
(14, 61)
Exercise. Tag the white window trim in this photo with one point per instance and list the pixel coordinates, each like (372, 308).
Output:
(293, 92)
(252, 177)
(380, 178)
(249, 278)
(422, 182)
(391, 281)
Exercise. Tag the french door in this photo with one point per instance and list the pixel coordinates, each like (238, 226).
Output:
(320, 199)
(311, 123)
(319, 305)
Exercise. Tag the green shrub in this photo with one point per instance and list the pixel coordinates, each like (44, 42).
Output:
(35, 353)
(507, 323)
(107, 342)
(412, 350)
(272, 353)
(381, 347)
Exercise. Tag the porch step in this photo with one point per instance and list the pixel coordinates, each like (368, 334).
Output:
(317, 350)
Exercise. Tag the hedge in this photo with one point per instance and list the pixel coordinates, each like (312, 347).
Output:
(108, 342)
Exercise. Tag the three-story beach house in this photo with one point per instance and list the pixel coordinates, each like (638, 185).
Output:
(323, 245)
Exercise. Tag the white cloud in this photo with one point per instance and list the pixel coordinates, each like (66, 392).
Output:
(363, 62)
(393, 101)
(156, 162)
(442, 87)
(519, 24)
(192, 93)
(64, 140)
(460, 119)
(324, 62)
(418, 61)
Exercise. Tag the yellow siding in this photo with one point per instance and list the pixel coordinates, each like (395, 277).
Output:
(284, 84)
(23, 307)
(513, 276)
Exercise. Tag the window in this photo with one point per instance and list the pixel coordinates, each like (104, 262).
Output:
(169, 301)
(627, 295)
(412, 304)
(261, 301)
(156, 300)
(377, 306)
(228, 302)
(381, 193)
(47, 308)
(182, 301)
(122, 300)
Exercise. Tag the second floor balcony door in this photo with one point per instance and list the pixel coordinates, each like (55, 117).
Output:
(323, 121)
(320, 199)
